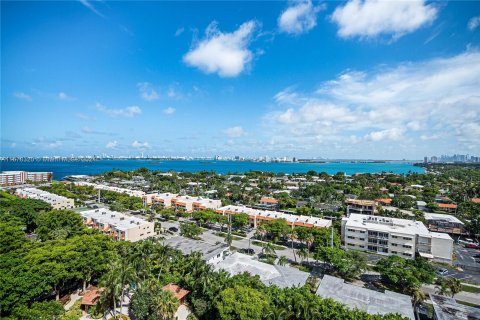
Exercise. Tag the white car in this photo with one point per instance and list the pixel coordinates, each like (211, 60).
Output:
(442, 271)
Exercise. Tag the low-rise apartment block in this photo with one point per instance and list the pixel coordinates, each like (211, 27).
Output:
(11, 178)
(190, 204)
(268, 203)
(118, 225)
(257, 217)
(444, 223)
(356, 206)
(57, 202)
(130, 192)
(391, 236)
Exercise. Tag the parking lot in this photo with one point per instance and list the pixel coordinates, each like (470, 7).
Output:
(465, 256)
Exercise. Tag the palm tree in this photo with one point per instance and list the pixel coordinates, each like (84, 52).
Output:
(282, 261)
(303, 253)
(269, 248)
(279, 314)
(166, 304)
(292, 236)
(309, 241)
(418, 296)
(111, 292)
(120, 275)
(454, 286)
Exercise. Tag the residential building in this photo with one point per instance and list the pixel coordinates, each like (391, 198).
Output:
(448, 207)
(370, 301)
(57, 202)
(446, 308)
(357, 206)
(444, 223)
(268, 203)
(211, 253)
(391, 236)
(129, 192)
(384, 201)
(120, 226)
(10, 178)
(190, 204)
(163, 199)
(257, 217)
(281, 276)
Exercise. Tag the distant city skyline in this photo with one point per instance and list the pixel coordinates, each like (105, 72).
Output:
(304, 79)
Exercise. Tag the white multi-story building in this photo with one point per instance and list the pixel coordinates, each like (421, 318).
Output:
(57, 202)
(391, 236)
(257, 216)
(10, 178)
(118, 225)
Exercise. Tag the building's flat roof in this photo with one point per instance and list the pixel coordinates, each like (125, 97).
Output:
(439, 216)
(364, 299)
(392, 225)
(447, 308)
(34, 193)
(361, 202)
(187, 246)
(280, 276)
(387, 224)
(120, 220)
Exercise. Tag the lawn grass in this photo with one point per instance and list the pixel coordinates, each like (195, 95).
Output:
(471, 289)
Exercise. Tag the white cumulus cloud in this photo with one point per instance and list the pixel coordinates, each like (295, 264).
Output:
(141, 145)
(123, 112)
(298, 18)
(387, 134)
(22, 96)
(169, 110)
(410, 104)
(112, 145)
(473, 23)
(234, 132)
(63, 96)
(370, 18)
(147, 92)
(226, 54)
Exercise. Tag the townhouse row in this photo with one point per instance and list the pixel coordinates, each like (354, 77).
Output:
(257, 217)
(130, 192)
(182, 203)
(57, 202)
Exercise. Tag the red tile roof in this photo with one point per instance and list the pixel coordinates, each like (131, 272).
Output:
(476, 200)
(447, 205)
(269, 200)
(384, 200)
(179, 293)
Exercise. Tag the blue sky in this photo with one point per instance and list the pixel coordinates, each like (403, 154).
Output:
(353, 79)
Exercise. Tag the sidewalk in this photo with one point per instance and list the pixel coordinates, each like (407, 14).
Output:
(461, 296)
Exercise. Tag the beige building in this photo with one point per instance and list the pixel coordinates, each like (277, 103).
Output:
(118, 225)
(391, 236)
(361, 207)
(57, 202)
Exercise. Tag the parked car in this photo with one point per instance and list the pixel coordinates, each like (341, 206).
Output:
(247, 250)
(442, 271)
(476, 255)
(472, 246)
(466, 241)
(173, 229)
